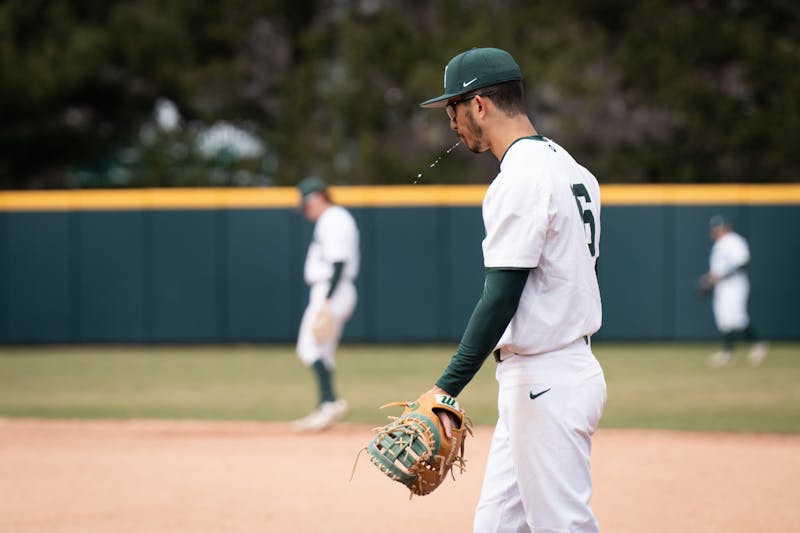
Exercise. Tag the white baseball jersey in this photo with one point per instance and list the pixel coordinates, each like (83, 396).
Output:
(729, 255)
(542, 212)
(335, 239)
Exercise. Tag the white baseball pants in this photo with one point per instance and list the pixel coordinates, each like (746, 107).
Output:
(730, 303)
(537, 477)
(342, 304)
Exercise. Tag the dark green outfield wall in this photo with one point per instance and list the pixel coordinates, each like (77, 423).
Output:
(235, 275)
(652, 256)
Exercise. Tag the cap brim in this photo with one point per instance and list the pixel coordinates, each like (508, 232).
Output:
(304, 198)
(439, 101)
(502, 77)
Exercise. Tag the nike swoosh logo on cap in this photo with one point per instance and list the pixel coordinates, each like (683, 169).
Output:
(470, 82)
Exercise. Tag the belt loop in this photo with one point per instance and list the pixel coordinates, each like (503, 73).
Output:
(586, 339)
(496, 354)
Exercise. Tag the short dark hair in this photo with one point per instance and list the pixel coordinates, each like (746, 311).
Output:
(508, 96)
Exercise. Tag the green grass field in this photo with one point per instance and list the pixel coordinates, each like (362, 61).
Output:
(649, 385)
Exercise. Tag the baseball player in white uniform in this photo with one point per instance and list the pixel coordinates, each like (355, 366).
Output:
(539, 307)
(727, 276)
(331, 267)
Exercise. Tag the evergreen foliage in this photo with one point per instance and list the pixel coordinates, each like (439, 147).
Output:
(638, 91)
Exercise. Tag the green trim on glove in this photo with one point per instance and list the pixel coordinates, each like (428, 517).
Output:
(399, 450)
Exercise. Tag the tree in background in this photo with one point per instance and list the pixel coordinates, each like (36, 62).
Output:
(646, 91)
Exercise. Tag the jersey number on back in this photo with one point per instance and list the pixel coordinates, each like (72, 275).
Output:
(579, 191)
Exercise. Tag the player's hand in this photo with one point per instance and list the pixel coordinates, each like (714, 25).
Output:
(706, 282)
(448, 420)
(323, 325)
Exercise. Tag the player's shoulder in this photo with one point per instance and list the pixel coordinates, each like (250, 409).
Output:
(336, 211)
(737, 240)
(540, 153)
(542, 156)
(588, 180)
(525, 149)
(337, 216)
(525, 158)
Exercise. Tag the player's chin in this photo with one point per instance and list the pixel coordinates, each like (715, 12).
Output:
(474, 146)
(466, 142)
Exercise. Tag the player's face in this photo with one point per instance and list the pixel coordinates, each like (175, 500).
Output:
(472, 134)
(313, 206)
(465, 126)
(718, 231)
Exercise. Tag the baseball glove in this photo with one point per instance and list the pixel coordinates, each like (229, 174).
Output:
(323, 325)
(414, 449)
(705, 285)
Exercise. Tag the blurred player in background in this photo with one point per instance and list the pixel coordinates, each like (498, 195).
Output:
(331, 267)
(727, 278)
(540, 303)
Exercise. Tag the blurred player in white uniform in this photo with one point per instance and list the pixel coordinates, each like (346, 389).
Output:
(331, 267)
(540, 304)
(727, 277)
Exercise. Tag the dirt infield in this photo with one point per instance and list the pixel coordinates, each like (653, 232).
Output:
(154, 476)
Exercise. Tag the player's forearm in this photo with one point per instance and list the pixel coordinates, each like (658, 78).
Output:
(495, 309)
(338, 268)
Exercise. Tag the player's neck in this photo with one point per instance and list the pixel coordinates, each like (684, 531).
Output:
(508, 131)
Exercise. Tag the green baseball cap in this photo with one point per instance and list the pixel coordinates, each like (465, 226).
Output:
(473, 69)
(311, 185)
(718, 220)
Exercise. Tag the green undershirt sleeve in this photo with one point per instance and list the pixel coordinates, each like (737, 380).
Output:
(338, 267)
(502, 290)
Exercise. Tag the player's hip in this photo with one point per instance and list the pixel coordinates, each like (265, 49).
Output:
(572, 363)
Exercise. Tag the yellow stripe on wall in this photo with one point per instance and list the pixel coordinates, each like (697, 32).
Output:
(140, 199)
(670, 194)
(376, 196)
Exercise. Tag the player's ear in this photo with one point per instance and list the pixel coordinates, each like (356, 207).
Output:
(480, 105)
